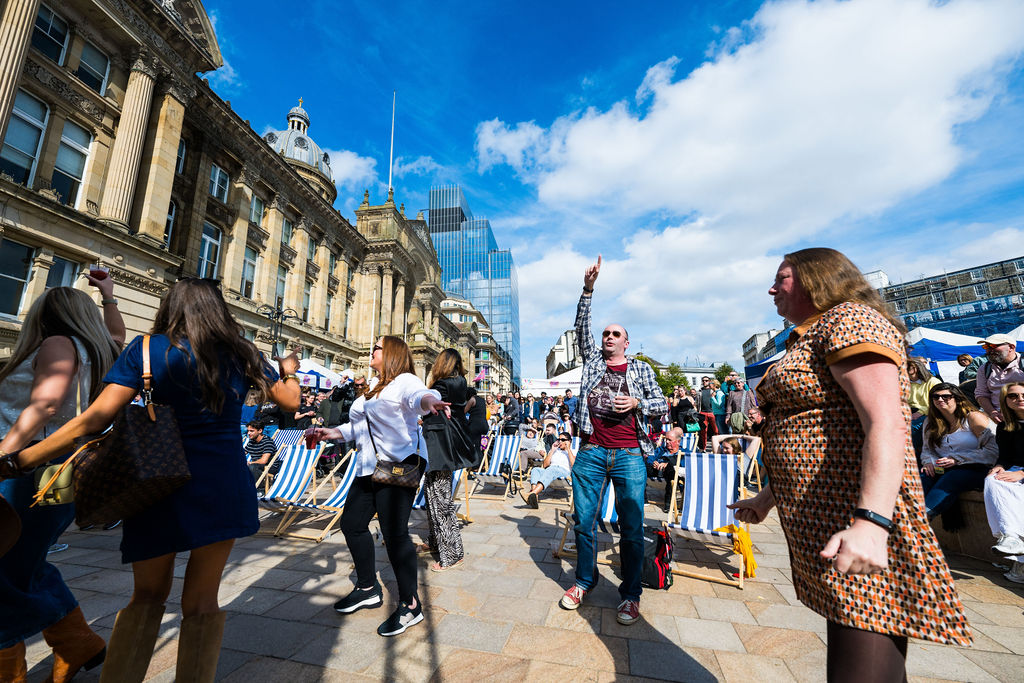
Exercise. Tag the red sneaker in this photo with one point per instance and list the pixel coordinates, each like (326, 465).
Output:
(572, 598)
(629, 612)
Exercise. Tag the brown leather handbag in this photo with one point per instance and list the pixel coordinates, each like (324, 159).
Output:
(137, 462)
(406, 473)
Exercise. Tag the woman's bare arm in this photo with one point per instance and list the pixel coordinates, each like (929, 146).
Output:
(55, 366)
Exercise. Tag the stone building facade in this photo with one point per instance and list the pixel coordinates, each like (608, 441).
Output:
(116, 153)
(485, 358)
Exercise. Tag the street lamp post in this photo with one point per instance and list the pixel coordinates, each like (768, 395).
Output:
(277, 316)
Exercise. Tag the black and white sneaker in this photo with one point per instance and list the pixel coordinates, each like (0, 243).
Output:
(401, 619)
(360, 598)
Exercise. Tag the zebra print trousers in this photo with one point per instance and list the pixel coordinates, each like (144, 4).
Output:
(444, 536)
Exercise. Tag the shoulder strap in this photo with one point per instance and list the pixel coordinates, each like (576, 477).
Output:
(366, 414)
(147, 379)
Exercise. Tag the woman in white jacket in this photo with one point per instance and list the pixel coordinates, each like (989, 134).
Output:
(384, 424)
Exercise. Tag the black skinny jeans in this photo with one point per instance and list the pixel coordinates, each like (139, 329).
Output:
(392, 505)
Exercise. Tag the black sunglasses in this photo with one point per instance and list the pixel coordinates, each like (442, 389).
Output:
(614, 333)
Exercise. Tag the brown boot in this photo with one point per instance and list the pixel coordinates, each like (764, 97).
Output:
(74, 646)
(12, 664)
(131, 644)
(199, 647)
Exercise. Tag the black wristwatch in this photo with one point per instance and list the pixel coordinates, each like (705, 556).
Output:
(875, 518)
(9, 468)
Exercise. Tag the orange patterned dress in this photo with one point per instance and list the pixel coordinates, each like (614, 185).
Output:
(813, 443)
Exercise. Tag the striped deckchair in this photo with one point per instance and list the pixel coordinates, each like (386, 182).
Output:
(458, 479)
(298, 469)
(288, 437)
(330, 509)
(503, 450)
(607, 521)
(713, 481)
(563, 483)
(748, 462)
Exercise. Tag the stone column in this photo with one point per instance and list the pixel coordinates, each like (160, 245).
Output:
(158, 167)
(233, 245)
(297, 278)
(36, 285)
(386, 298)
(369, 307)
(123, 171)
(266, 278)
(16, 22)
(398, 315)
(341, 308)
(428, 321)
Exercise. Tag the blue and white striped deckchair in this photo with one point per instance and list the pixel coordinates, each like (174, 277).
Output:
(458, 477)
(503, 450)
(712, 482)
(298, 467)
(288, 437)
(330, 509)
(607, 521)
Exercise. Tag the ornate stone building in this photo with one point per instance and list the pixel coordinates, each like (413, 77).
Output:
(116, 153)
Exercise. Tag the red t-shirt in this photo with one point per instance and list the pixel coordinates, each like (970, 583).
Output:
(611, 429)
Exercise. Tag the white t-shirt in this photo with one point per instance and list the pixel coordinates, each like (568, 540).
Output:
(559, 458)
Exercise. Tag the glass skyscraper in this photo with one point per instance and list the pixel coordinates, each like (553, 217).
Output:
(474, 268)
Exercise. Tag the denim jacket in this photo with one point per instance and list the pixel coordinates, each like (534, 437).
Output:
(640, 377)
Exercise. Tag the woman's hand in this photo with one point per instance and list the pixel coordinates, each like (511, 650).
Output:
(106, 285)
(929, 469)
(326, 433)
(433, 405)
(1014, 476)
(861, 549)
(288, 365)
(945, 462)
(754, 510)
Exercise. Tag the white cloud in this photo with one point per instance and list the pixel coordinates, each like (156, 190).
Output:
(351, 171)
(422, 165)
(809, 114)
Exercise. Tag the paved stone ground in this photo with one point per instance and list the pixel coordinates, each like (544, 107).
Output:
(497, 617)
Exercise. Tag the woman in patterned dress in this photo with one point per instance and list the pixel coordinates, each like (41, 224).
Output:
(844, 475)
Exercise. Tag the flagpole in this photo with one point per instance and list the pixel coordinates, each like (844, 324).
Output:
(391, 157)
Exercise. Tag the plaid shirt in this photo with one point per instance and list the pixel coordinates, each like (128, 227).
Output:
(639, 376)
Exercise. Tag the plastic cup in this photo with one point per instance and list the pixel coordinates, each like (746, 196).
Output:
(312, 438)
(99, 272)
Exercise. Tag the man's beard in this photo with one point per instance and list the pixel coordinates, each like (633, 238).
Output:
(999, 357)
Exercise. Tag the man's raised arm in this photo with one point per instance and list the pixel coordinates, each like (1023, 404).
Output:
(584, 338)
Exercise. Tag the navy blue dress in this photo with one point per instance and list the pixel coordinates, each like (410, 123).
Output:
(220, 500)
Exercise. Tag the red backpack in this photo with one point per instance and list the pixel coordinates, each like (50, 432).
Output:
(657, 567)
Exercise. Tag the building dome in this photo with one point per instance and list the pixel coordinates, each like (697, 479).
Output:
(294, 143)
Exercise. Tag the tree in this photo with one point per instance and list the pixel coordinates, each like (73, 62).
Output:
(722, 371)
(669, 378)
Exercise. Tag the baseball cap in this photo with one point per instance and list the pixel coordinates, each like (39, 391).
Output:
(999, 339)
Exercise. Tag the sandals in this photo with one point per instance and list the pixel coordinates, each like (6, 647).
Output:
(438, 567)
(423, 549)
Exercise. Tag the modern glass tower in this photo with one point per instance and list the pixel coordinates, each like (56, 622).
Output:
(474, 268)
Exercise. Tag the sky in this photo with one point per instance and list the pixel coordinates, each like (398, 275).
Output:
(692, 144)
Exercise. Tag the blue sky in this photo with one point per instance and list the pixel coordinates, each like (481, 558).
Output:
(691, 143)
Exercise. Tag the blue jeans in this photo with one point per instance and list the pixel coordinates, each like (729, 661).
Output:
(723, 426)
(33, 596)
(545, 475)
(625, 468)
(942, 490)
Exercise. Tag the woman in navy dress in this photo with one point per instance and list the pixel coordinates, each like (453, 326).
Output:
(202, 367)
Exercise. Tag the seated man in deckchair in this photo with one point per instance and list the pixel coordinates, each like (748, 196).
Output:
(662, 463)
(259, 449)
(557, 465)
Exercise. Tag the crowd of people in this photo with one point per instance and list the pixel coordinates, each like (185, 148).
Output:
(863, 447)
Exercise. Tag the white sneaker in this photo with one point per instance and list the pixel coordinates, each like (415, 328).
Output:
(1009, 544)
(1016, 574)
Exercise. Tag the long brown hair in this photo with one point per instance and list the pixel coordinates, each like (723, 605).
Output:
(448, 364)
(935, 426)
(67, 312)
(830, 278)
(1010, 419)
(397, 360)
(194, 309)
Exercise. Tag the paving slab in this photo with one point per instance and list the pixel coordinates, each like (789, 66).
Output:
(497, 617)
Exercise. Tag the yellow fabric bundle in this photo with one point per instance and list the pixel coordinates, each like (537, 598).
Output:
(742, 544)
